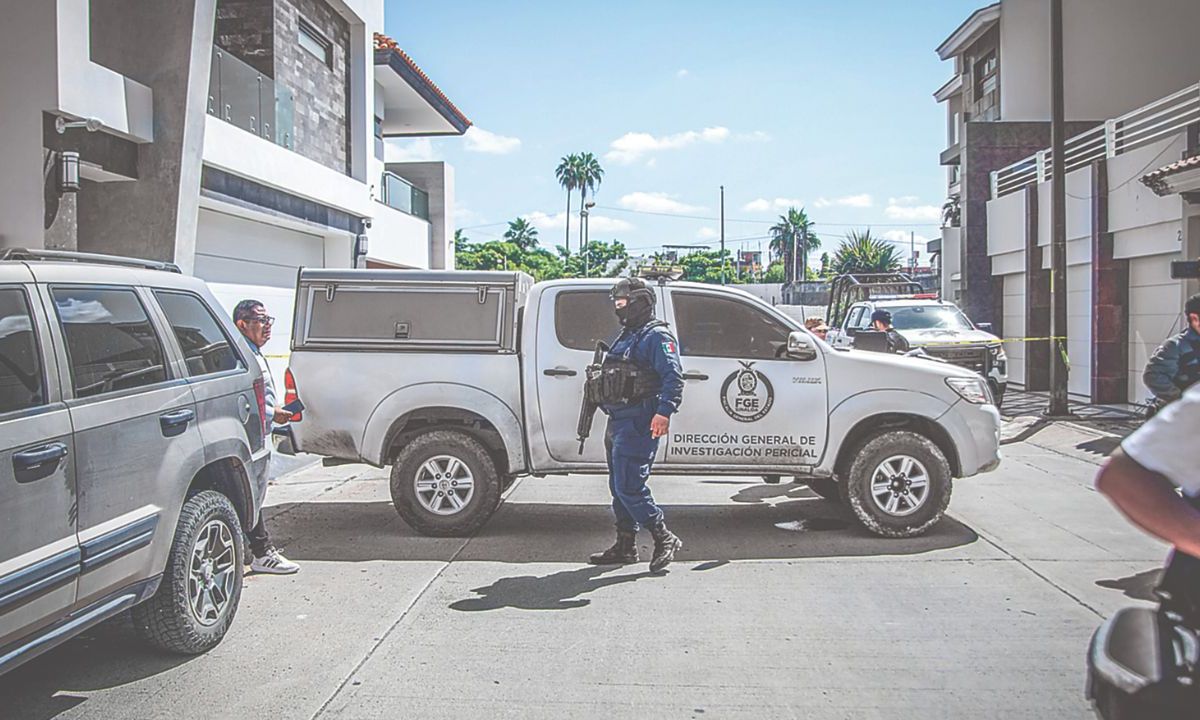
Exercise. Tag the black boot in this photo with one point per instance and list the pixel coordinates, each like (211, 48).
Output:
(666, 544)
(622, 552)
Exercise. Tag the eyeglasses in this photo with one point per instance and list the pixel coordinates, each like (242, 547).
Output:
(264, 319)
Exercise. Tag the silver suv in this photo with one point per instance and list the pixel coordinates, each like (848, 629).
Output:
(133, 452)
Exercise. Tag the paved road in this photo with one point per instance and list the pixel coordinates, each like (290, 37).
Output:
(986, 617)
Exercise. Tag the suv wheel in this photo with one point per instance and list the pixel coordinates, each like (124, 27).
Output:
(195, 604)
(898, 484)
(444, 483)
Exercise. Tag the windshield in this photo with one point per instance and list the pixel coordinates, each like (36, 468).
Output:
(929, 317)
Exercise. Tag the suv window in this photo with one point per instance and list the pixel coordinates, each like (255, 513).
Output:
(856, 314)
(21, 385)
(206, 347)
(711, 326)
(110, 342)
(584, 317)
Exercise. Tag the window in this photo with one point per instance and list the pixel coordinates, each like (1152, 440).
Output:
(314, 42)
(21, 385)
(856, 316)
(985, 74)
(582, 318)
(712, 326)
(929, 317)
(110, 342)
(206, 347)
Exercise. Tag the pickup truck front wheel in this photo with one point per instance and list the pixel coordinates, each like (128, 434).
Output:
(444, 483)
(898, 484)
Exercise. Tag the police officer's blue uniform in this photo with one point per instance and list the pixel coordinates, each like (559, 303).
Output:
(628, 441)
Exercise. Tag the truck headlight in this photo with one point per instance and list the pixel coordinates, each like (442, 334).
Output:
(973, 390)
(997, 352)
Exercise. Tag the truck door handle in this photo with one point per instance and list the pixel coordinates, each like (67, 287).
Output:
(36, 457)
(694, 376)
(559, 372)
(176, 420)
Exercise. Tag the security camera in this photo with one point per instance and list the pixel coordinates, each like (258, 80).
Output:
(61, 124)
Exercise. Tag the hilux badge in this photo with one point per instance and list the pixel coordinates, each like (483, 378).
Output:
(750, 398)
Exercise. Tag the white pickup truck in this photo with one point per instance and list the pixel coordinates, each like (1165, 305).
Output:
(462, 381)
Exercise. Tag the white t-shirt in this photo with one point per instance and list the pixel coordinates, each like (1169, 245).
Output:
(1169, 443)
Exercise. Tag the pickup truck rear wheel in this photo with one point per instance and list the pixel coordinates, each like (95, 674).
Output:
(444, 483)
(898, 484)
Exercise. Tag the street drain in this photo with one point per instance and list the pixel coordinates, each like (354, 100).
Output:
(811, 524)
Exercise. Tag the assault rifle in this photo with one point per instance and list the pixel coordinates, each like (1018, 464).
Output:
(591, 394)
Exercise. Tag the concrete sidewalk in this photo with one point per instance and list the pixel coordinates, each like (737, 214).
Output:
(988, 616)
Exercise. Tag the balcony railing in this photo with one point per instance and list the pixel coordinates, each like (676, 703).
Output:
(1139, 128)
(242, 96)
(402, 195)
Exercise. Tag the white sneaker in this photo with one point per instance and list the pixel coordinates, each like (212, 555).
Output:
(275, 563)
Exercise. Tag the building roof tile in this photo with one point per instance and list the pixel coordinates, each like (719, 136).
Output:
(1157, 180)
(388, 47)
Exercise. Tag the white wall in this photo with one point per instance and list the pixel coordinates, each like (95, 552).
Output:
(1014, 325)
(1155, 304)
(400, 238)
(1006, 224)
(1079, 329)
(1117, 55)
(951, 262)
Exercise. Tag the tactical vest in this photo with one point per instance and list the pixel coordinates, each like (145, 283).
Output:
(618, 381)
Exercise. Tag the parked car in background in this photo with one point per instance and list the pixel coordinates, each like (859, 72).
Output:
(133, 453)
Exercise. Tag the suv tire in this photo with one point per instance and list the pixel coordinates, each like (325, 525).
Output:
(170, 619)
(909, 474)
(444, 483)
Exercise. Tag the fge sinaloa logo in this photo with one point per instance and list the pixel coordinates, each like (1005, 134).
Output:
(747, 395)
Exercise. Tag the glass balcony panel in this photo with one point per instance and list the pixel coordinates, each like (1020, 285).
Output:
(242, 96)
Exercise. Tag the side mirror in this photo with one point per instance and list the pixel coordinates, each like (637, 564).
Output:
(800, 347)
(851, 331)
(986, 327)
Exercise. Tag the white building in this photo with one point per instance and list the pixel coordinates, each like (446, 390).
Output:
(240, 139)
(1121, 59)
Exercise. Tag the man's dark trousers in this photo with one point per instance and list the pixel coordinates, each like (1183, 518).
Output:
(630, 453)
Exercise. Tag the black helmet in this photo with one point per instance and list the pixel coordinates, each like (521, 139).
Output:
(882, 316)
(639, 307)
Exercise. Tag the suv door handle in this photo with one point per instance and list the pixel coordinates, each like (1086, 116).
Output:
(559, 372)
(694, 376)
(38, 456)
(176, 419)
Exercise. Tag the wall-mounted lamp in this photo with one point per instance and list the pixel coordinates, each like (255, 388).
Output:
(68, 168)
(61, 124)
(360, 246)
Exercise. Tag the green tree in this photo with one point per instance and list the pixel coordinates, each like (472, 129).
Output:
(791, 235)
(774, 273)
(861, 252)
(567, 174)
(824, 265)
(522, 233)
(596, 257)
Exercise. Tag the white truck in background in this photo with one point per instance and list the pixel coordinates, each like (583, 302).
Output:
(462, 381)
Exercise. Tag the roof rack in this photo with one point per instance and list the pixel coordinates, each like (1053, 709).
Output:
(845, 290)
(70, 256)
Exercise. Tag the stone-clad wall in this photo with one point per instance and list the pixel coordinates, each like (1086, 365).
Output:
(246, 29)
(322, 130)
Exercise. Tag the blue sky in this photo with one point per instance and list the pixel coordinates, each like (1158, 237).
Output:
(824, 104)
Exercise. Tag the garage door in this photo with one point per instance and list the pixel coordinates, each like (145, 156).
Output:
(1014, 326)
(242, 258)
(1154, 313)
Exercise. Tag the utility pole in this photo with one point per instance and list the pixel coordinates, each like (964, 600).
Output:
(722, 234)
(912, 255)
(1058, 220)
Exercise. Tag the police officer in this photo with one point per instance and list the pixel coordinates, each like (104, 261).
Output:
(636, 423)
(1175, 365)
(881, 320)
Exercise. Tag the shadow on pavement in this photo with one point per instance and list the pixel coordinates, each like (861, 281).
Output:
(556, 591)
(544, 532)
(107, 656)
(1137, 587)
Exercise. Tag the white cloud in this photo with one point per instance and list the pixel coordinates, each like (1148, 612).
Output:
(682, 73)
(756, 136)
(632, 146)
(409, 150)
(759, 205)
(707, 233)
(479, 140)
(904, 209)
(858, 201)
(656, 202)
(596, 223)
(779, 203)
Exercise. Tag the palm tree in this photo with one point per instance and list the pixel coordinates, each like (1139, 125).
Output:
(791, 235)
(862, 252)
(567, 173)
(588, 175)
(522, 233)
